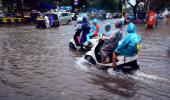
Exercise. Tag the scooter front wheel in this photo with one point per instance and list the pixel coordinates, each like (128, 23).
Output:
(72, 46)
(90, 59)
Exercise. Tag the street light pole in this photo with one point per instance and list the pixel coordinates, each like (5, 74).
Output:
(76, 5)
(148, 5)
(1, 6)
(147, 15)
(19, 4)
(21, 7)
(122, 6)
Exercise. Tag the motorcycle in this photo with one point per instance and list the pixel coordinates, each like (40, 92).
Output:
(75, 41)
(124, 64)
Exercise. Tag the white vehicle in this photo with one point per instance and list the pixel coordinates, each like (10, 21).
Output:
(80, 17)
(2, 15)
(64, 18)
(109, 16)
(73, 15)
(75, 41)
(125, 64)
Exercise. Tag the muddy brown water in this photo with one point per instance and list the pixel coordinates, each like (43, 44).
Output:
(38, 65)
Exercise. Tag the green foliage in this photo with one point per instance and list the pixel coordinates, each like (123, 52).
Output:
(83, 2)
(71, 3)
(67, 2)
(160, 5)
(111, 5)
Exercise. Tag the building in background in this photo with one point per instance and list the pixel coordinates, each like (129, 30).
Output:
(1, 9)
(13, 6)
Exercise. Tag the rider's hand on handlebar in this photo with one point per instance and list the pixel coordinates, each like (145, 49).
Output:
(100, 39)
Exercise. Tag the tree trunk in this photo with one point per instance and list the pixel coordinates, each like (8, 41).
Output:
(134, 12)
(38, 5)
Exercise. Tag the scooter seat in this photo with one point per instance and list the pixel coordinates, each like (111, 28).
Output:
(122, 59)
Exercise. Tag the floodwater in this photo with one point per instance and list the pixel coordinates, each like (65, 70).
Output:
(38, 65)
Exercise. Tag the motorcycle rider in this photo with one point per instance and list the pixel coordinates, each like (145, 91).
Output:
(111, 40)
(85, 28)
(94, 30)
(128, 46)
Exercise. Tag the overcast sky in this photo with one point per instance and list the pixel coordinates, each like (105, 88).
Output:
(133, 2)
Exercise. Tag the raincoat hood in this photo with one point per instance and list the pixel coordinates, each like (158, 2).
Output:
(127, 46)
(131, 28)
(95, 20)
(84, 19)
(108, 27)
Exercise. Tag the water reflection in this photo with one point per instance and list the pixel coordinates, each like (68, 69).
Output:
(37, 65)
(119, 86)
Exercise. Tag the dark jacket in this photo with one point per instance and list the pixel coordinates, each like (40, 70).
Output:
(85, 27)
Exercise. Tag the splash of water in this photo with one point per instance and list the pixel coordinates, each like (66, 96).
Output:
(82, 64)
(139, 75)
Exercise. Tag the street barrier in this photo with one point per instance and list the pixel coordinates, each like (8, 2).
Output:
(12, 20)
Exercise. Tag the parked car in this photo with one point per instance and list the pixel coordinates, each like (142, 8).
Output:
(74, 16)
(54, 21)
(117, 15)
(10, 14)
(2, 15)
(130, 17)
(65, 8)
(109, 16)
(64, 17)
(80, 17)
(34, 15)
(40, 22)
(93, 15)
(159, 16)
(101, 14)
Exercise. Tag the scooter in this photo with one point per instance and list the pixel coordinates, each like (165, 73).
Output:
(124, 64)
(75, 41)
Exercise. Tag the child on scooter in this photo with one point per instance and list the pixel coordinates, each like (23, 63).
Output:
(111, 40)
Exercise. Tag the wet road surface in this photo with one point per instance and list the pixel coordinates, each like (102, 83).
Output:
(38, 65)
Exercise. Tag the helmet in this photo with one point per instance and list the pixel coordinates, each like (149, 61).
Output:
(84, 19)
(95, 20)
(131, 28)
(108, 27)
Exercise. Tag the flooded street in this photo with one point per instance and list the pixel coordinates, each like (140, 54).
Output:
(38, 65)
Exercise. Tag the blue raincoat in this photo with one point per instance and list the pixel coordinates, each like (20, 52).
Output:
(85, 28)
(127, 46)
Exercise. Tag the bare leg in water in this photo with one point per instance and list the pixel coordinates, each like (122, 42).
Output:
(113, 61)
(106, 51)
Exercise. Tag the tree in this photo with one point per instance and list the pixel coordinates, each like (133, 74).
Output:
(13, 6)
(83, 3)
(160, 5)
(32, 4)
(8, 5)
(111, 5)
(40, 4)
(136, 6)
(156, 5)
